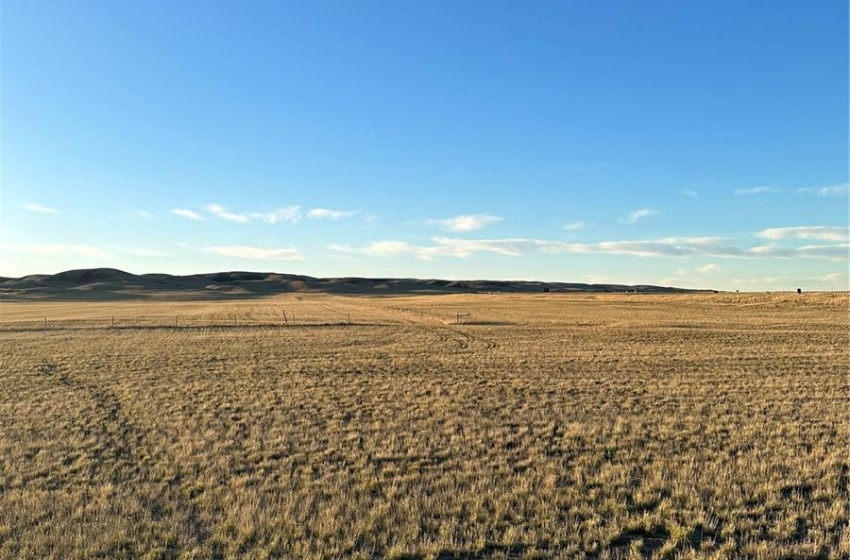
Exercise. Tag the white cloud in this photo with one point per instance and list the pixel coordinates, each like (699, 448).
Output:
(143, 214)
(822, 233)
(243, 252)
(219, 210)
(664, 247)
(327, 214)
(290, 214)
(829, 252)
(467, 247)
(757, 190)
(443, 247)
(575, 226)
(636, 215)
(389, 248)
(772, 250)
(188, 214)
(33, 207)
(59, 250)
(825, 252)
(691, 193)
(832, 190)
(285, 214)
(833, 281)
(698, 247)
(466, 222)
(687, 276)
(343, 248)
(142, 252)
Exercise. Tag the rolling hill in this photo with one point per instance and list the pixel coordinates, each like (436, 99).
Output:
(110, 283)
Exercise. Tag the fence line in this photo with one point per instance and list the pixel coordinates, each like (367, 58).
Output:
(179, 323)
(173, 322)
(467, 317)
(170, 321)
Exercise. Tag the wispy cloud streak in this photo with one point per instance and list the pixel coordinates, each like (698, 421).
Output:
(832, 190)
(257, 253)
(328, 214)
(219, 211)
(144, 253)
(60, 250)
(822, 233)
(713, 247)
(33, 207)
(757, 190)
(290, 214)
(575, 226)
(466, 222)
(636, 215)
(188, 214)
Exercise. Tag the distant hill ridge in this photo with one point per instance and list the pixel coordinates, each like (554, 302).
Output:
(101, 283)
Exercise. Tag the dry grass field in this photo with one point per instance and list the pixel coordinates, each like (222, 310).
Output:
(542, 426)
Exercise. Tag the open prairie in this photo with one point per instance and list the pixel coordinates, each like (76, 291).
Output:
(456, 426)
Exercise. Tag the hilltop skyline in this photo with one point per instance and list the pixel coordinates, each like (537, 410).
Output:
(671, 144)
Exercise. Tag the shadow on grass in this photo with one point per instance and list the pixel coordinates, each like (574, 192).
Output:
(650, 541)
(508, 552)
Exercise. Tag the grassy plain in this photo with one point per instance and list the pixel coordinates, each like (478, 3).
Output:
(543, 426)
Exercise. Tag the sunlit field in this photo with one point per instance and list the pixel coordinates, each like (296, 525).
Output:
(484, 426)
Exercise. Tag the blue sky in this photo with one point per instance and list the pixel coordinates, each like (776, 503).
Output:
(696, 144)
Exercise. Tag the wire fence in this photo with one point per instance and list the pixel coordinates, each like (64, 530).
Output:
(286, 319)
(175, 322)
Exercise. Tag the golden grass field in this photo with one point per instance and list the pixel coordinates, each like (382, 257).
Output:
(543, 426)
